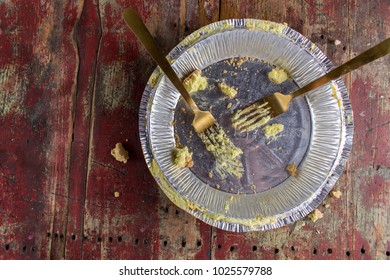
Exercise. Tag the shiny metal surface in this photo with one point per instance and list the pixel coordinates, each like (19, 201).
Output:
(317, 136)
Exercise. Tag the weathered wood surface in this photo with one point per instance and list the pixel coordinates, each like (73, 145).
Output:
(71, 79)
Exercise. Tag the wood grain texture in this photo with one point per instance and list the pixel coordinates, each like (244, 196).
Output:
(71, 79)
(38, 66)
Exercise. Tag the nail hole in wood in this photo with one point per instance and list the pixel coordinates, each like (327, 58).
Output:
(231, 249)
(348, 253)
(166, 209)
(199, 243)
(177, 212)
(48, 234)
(254, 248)
(322, 36)
(292, 248)
(136, 241)
(61, 236)
(73, 237)
(388, 253)
(344, 48)
(110, 239)
(32, 249)
(24, 248)
(146, 241)
(315, 251)
(362, 250)
(219, 246)
(183, 243)
(119, 238)
(329, 251)
(7, 247)
(276, 250)
(165, 243)
(99, 239)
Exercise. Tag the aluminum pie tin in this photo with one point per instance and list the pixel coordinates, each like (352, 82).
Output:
(317, 133)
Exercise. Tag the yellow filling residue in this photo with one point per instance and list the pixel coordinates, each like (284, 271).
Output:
(248, 121)
(278, 75)
(154, 77)
(185, 204)
(228, 202)
(177, 199)
(224, 151)
(252, 224)
(334, 94)
(195, 82)
(205, 31)
(272, 130)
(227, 90)
(349, 119)
(292, 169)
(182, 157)
(119, 153)
(316, 215)
(274, 27)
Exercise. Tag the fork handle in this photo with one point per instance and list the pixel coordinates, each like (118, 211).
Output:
(138, 27)
(364, 58)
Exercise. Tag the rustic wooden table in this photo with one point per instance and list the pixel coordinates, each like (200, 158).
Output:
(71, 79)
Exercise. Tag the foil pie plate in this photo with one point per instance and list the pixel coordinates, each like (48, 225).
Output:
(317, 133)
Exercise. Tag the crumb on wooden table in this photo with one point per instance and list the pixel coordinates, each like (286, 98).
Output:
(336, 194)
(316, 215)
(119, 153)
(117, 194)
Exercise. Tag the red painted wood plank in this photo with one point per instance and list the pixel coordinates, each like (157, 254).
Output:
(37, 66)
(88, 34)
(370, 160)
(57, 177)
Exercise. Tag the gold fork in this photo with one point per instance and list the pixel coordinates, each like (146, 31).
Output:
(276, 104)
(203, 119)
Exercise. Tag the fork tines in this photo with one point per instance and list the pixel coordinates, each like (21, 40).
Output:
(252, 117)
(225, 152)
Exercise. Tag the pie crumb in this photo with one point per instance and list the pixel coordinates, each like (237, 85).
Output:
(182, 157)
(335, 194)
(316, 215)
(119, 153)
(292, 169)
